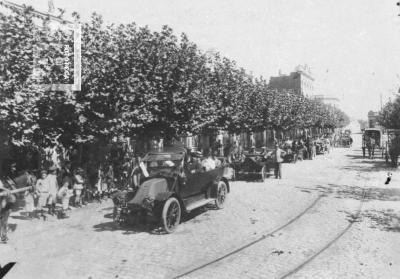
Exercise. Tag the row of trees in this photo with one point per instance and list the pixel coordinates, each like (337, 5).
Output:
(136, 82)
(389, 116)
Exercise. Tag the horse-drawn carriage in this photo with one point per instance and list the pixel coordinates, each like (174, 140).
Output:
(345, 141)
(379, 138)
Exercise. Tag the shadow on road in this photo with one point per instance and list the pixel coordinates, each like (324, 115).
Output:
(355, 192)
(150, 226)
(385, 220)
(369, 165)
(126, 229)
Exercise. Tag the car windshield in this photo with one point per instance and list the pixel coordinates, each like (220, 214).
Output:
(153, 157)
(163, 163)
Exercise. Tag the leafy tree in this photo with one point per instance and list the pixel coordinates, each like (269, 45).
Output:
(389, 116)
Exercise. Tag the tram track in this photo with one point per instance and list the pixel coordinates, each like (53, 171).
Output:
(243, 247)
(281, 227)
(338, 236)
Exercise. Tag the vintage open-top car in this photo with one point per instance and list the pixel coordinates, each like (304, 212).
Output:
(176, 182)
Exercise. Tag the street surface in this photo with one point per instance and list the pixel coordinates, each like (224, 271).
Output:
(332, 217)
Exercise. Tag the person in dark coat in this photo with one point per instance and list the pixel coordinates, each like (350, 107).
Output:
(308, 145)
(7, 200)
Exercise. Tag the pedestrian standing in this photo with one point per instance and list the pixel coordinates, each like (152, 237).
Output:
(30, 195)
(110, 178)
(327, 145)
(7, 200)
(78, 187)
(42, 190)
(53, 189)
(65, 193)
(279, 153)
(4, 211)
(364, 144)
(294, 151)
(307, 145)
(371, 148)
(136, 171)
(313, 149)
(99, 180)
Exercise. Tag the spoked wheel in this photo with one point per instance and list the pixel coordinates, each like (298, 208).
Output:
(221, 195)
(171, 215)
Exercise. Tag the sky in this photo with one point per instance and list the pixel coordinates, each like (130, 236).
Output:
(351, 46)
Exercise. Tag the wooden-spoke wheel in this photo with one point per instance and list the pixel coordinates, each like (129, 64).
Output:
(171, 215)
(221, 195)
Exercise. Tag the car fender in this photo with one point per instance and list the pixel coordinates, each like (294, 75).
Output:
(150, 189)
(163, 196)
(214, 187)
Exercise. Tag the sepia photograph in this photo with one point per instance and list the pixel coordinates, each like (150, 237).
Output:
(191, 139)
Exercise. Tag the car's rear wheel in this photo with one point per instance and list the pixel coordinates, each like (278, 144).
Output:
(222, 193)
(171, 215)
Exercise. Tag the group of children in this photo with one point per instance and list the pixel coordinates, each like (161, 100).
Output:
(48, 190)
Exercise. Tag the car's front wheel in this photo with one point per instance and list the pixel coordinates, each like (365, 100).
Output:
(171, 215)
(221, 195)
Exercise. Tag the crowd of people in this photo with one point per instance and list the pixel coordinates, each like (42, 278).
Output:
(61, 183)
(52, 190)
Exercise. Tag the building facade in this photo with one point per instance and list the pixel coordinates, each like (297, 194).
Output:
(329, 100)
(373, 119)
(300, 81)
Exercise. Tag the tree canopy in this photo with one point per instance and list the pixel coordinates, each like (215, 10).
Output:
(136, 81)
(389, 116)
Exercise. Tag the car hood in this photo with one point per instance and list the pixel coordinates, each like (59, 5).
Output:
(150, 189)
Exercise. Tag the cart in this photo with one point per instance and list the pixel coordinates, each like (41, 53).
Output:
(381, 141)
(345, 141)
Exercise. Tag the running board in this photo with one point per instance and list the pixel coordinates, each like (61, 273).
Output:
(198, 203)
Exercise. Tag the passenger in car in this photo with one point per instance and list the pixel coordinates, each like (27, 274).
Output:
(217, 161)
(208, 163)
(193, 163)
